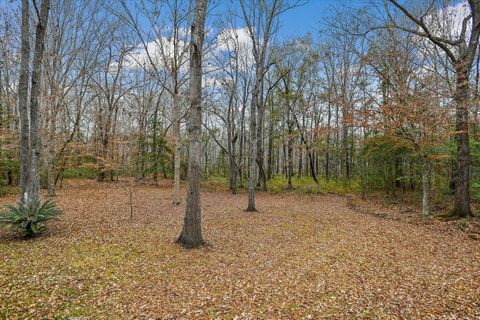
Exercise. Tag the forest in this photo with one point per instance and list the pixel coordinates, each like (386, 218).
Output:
(243, 159)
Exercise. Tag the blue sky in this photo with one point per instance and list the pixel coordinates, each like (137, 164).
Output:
(304, 19)
(296, 22)
(300, 20)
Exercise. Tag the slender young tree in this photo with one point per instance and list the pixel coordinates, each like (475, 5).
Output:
(261, 19)
(191, 236)
(167, 56)
(70, 47)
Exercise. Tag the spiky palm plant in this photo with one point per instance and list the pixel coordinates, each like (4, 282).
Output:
(30, 218)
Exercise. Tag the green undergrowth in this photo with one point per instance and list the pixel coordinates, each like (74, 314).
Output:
(215, 183)
(307, 185)
(278, 184)
(80, 172)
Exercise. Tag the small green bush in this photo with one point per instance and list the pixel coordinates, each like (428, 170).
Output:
(30, 218)
(3, 187)
(475, 190)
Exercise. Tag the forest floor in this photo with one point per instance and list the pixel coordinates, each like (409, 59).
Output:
(299, 257)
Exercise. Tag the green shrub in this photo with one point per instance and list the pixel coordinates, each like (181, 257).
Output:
(3, 187)
(30, 218)
(475, 190)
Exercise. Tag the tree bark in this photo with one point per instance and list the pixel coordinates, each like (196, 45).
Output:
(327, 153)
(462, 192)
(270, 145)
(155, 143)
(345, 155)
(51, 150)
(253, 137)
(262, 181)
(232, 137)
(242, 141)
(191, 236)
(289, 149)
(178, 150)
(304, 141)
(35, 147)
(233, 167)
(23, 101)
(426, 188)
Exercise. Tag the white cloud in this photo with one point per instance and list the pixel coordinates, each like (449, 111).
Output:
(445, 23)
(160, 51)
(228, 43)
(448, 22)
(231, 43)
(228, 39)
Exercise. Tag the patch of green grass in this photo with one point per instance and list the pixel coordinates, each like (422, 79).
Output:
(80, 172)
(216, 183)
(278, 184)
(307, 185)
(75, 311)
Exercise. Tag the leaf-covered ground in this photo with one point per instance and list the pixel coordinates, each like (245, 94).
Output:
(299, 257)
(401, 209)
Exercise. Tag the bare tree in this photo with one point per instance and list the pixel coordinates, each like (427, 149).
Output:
(191, 236)
(112, 84)
(167, 55)
(232, 75)
(261, 19)
(67, 67)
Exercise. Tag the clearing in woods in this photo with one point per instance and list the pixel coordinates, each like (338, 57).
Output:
(299, 257)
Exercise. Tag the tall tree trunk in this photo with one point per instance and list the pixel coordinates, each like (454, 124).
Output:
(51, 149)
(178, 151)
(252, 140)
(304, 142)
(35, 148)
(426, 187)
(345, 158)
(232, 140)
(300, 162)
(270, 146)
(206, 171)
(337, 143)
(300, 149)
(23, 100)
(155, 144)
(327, 153)
(103, 120)
(462, 191)
(191, 236)
(289, 146)
(102, 173)
(233, 174)
(233, 167)
(363, 170)
(262, 180)
(233, 170)
(242, 143)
